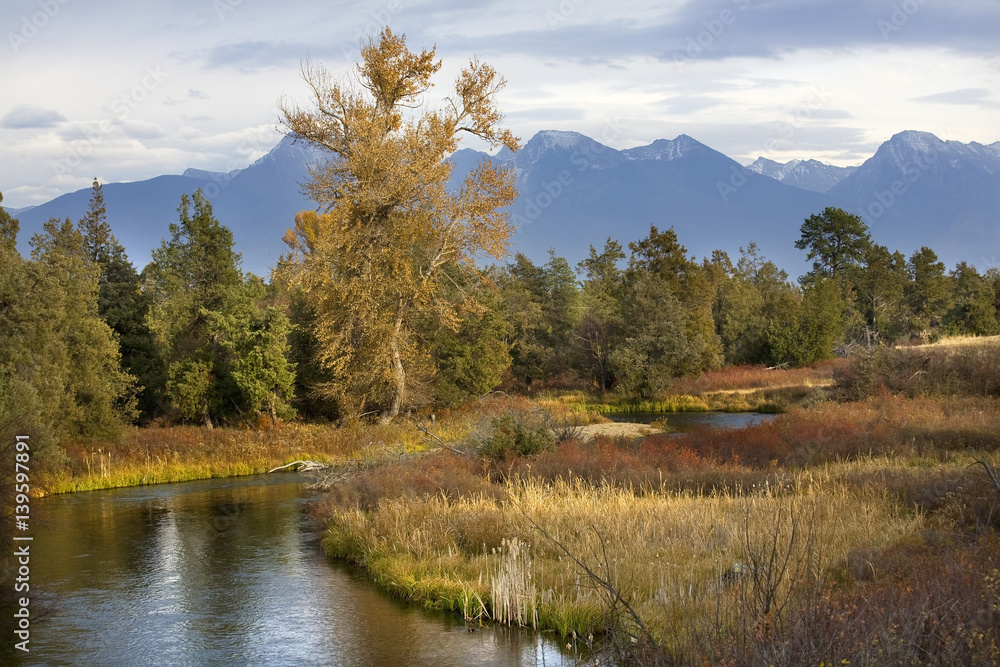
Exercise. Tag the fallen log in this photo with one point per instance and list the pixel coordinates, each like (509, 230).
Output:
(304, 466)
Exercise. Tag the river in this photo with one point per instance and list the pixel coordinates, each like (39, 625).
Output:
(227, 572)
(682, 422)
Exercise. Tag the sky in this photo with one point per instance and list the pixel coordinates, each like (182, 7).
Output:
(125, 91)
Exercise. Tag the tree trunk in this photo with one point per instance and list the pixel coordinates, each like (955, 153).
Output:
(207, 419)
(398, 372)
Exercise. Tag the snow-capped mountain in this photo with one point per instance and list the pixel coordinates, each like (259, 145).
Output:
(806, 174)
(575, 192)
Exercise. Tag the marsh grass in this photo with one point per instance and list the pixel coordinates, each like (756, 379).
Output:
(752, 546)
(666, 551)
(157, 455)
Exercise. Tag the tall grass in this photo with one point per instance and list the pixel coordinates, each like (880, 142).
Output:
(666, 550)
(753, 377)
(156, 455)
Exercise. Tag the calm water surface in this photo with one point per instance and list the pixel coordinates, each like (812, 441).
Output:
(227, 572)
(682, 422)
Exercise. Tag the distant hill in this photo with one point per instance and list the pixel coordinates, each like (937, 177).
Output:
(575, 192)
(258, 203)
(919, 190)
(806, 174)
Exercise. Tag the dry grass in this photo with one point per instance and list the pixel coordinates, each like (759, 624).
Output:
(815, 516)
(960, 341)
(750, 378)
(666, 551)
(967, 368)
(156, 455)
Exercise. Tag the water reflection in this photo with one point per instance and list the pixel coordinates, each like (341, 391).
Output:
(681, 422)
(227, 572)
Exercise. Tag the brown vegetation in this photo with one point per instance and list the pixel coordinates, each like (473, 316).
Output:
(862, 532)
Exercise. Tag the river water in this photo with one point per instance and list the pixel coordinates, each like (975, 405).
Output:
(227, 572)
(682, 422)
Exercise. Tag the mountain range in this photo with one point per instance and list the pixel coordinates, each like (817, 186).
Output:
(575, 192)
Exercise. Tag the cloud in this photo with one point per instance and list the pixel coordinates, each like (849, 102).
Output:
(974, 97)
(546, 114)
(722, 29)
(24, 116)
(197, 94)
(139, 129)
(254, 55)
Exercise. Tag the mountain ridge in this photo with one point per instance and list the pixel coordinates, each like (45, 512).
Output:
(574, 192)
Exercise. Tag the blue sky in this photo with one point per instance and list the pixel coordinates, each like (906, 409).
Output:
(126, 91)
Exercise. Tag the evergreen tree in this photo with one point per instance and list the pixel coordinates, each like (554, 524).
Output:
(523, 290)
(879, 285)
(654, 346)
(257, 341)
(122, 304)
(927, 293)
(810, 333)
(97, 397)
(836, 240)
(660, 254)
(973, 310)
(561, 310)
(470, 359)
(226, 356)
(602, 312)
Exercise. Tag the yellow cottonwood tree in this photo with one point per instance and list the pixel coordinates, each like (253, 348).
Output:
(371, 260)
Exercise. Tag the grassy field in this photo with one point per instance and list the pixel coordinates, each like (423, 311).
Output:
(782, 543)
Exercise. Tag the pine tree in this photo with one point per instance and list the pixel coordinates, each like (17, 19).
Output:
(98, 396)
(122, 304)
(226, 356)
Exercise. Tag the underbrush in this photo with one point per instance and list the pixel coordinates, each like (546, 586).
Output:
(752, 377)
(963, 368)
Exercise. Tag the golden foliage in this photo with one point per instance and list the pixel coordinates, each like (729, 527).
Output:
(370, 259)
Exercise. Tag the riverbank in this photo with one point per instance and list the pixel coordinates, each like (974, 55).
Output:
(182, 453)
(731, 544)
(731, 389)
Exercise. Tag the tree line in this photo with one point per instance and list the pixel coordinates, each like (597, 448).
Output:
(92, 344)
(634, 321)
(382, 304)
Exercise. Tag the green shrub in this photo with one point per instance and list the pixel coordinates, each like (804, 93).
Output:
(516, 435)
